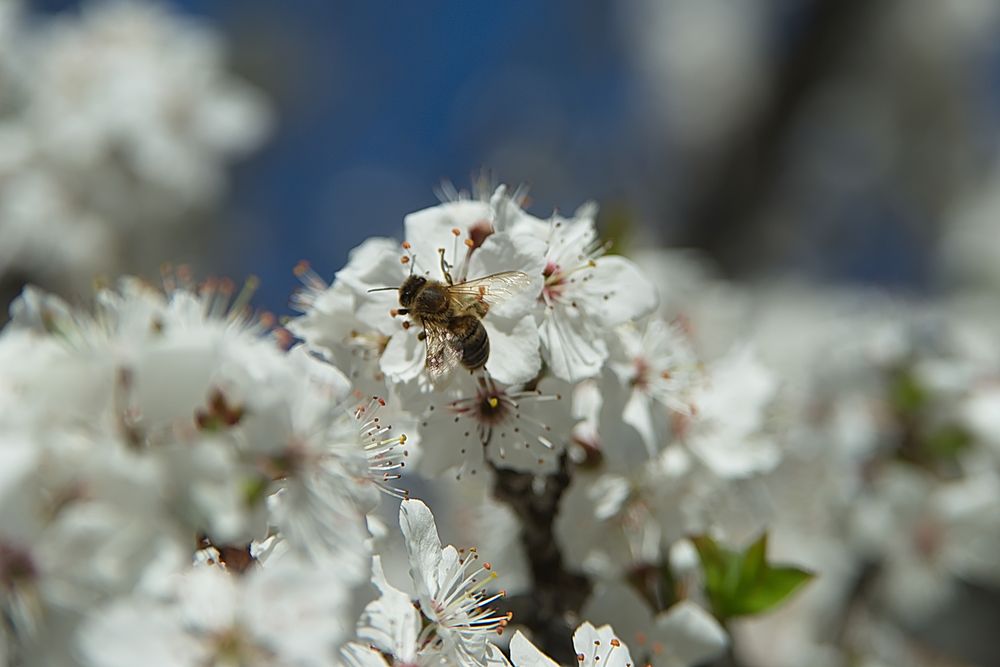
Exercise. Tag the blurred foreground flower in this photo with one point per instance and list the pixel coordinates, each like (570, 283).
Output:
(117, 126)
(224, 480)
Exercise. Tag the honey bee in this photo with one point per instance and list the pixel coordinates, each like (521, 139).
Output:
(451, 315)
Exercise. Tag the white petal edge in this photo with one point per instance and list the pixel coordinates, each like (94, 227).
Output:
(691, 634)
(525, 654)
(423, 545)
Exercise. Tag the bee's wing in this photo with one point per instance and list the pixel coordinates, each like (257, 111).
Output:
(444, 350)
(490, 290)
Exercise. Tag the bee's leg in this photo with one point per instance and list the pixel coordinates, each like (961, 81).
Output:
(444, 267)
(422, 335)
(402, 311)
(486, 380)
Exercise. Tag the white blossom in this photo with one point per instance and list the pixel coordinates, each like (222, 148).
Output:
(118, 112)
(133, 77)
(659, 371)
(450, 590)
(478, 420)
(594, 647)
(728, 434)
(926, 533)
(585, 294)
(681, 636)
(287, 613)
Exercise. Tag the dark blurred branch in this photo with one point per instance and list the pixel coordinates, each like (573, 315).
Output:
(11, 286)
(557, 594)
(724, 206)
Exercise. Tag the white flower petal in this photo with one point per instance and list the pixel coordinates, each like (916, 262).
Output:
(430, 229)
(504, 252)
(333, 384)
(608, 494)
(572, 351)
(404, 356)
(638, 415)
(730, 455)
(981, 413)
(423, 546)
(390, 623)
(18, 458)
(303, 610)
(739, 388)
(130, 632)
(208, 599)
(359, 655)
(374, 263)
(525, 654)
(690, 634)
(616, 292)
(600, 647)
(514, 350)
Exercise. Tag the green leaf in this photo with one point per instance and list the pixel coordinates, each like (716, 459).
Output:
(754, 560)
(713, 562)
(771, 588)
(741, 583)
(906, 393)
(947, 442)
(255, 490)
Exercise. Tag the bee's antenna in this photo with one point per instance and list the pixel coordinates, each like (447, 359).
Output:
(382, 289)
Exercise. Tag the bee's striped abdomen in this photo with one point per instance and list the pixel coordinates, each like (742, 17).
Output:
(475, 342)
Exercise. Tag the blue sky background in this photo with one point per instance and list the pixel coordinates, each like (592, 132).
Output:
(377, 103)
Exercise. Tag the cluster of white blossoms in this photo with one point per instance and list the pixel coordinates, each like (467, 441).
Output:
(582, 375)
(559, 330)
(858, 435)
(117, 123)
(889, 483)
(184, 483)
(154, 452)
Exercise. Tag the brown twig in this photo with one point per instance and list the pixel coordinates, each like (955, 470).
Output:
(557, 594)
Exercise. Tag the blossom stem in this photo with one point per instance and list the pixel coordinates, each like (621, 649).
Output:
(557, 593)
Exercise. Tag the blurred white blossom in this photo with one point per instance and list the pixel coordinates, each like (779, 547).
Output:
(118, 123)
(228, 479)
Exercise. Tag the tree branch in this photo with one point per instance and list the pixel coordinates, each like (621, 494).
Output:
(557, 594)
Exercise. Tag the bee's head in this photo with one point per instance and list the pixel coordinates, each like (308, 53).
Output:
(408, 290)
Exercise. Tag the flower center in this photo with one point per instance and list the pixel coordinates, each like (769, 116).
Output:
(478, 233)
(640, 375)
(15, 567)
(491, 409)
(554, 283)
(557, 279)
(463, 601)
(219, 414)
(928, 538)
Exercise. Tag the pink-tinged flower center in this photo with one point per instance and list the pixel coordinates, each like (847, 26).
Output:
(15, 567)
(462, 604)
(640, 375)
(490, 406)
(478, 233)
(558, 279)
(928, 537)
(646, 379)
(554, 282)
